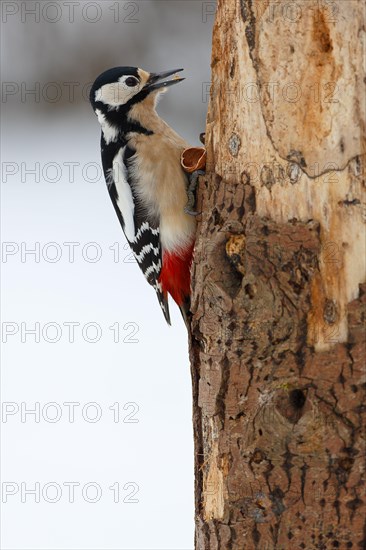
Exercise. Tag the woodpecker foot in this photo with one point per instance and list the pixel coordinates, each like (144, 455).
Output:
(191, 192)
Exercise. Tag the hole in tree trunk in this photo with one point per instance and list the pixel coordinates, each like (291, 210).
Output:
(297, 399)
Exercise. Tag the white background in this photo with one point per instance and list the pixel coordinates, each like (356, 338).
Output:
(150, 444)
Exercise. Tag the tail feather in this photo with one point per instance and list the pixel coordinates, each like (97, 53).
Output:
(185, 311)
(163, 301)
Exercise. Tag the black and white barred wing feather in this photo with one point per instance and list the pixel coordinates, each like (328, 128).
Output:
(142, 235)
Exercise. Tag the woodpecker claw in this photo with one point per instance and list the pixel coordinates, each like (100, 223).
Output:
(191, 212)
(193, 182)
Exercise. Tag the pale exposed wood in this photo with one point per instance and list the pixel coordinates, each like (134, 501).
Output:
(278, 343)
(294, 109)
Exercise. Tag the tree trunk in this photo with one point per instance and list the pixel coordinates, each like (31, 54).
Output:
(277, 346)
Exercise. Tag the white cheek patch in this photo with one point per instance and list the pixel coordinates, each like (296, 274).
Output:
(114, 94)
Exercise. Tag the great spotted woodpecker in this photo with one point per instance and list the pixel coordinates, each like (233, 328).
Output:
(148, 187)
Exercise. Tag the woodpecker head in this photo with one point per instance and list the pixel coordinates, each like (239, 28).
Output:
(120, 88)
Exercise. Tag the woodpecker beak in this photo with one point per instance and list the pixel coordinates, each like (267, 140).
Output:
(154, 84)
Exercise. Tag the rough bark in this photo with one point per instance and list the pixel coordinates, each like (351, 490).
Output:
(278, 341)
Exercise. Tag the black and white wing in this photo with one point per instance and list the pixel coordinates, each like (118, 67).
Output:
(142, 234)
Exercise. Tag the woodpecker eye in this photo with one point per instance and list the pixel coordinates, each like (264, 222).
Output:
(131, 81)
